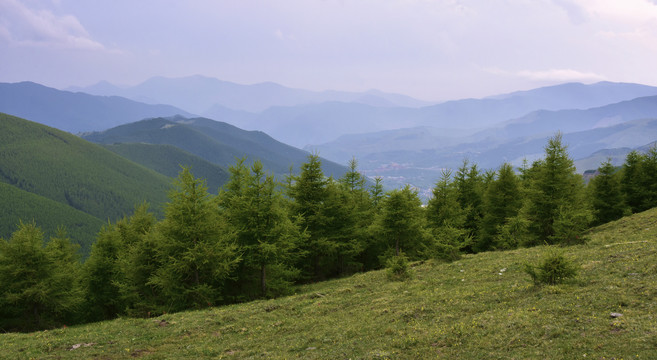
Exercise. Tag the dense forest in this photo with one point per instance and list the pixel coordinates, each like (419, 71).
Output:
(258, 237)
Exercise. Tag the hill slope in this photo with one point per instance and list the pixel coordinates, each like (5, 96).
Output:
(216, 142)
(20, 205)
(167, 160)
(75, 172)
(75, 112)
(482, 306)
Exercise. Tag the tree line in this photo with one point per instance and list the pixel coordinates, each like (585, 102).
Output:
(258, 237)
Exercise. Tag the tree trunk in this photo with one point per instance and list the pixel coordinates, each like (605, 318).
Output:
(263, 280)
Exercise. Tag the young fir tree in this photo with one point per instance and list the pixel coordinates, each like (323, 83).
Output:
(557, 210)
(68, 301)
(267, 237)
(607, 198)
(193, 250)
(309, 193)
(137, 262)
(101, 276)
(502, 200)
(649, 179)
(37, 283)
(631, 181)
(446, 219)
(470, 186)
(401, 225)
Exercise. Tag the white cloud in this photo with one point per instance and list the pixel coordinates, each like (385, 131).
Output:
(24, 26)
(625, 11)
(550, 75)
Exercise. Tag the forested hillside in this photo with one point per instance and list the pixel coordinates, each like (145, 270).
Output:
(216, 142)
(19, 205)
(167, 160)
(83, 176)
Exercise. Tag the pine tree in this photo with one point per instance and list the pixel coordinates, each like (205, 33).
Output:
(502, 201)
(649, 179)
(470, 187)
(446, 219)
(259, 220)
(68, 297)
(631, 181)
(401, 225)
(607, 198)
(309, 192)
(137, 262)
(35, 291)
(101, 276)
(195, 256)
(557, 210)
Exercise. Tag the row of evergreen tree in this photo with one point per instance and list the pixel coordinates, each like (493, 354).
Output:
(258, 237)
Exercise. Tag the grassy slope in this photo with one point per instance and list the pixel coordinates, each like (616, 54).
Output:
(464, 309)
(48, 215)
(70, 170)
(167, 160)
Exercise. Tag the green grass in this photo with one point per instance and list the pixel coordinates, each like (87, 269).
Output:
(468, 309)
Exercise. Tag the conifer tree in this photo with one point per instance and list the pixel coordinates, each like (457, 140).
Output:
(557, 210)
(470, 187)
(194, 253)
(401, 224)
(502, 201)
(607, 198)
(649, 178)
(137, 262)
(259, 220)
(309, 192)
(631, 181)
(101, 276)
(37, 282)
(446, 219)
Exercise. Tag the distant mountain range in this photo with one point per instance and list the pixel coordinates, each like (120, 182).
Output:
(75, 112)
(324, 122)
(200, 94)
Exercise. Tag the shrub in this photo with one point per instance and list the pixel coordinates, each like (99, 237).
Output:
(554, 269)
(397, 268)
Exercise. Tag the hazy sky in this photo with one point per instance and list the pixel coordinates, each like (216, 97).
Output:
(433, 50)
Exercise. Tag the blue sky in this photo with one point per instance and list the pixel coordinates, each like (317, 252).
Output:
(432, 50)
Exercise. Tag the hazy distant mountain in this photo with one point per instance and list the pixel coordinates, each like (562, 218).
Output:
(617, 156)
(216, 142)
(545, 122)
(537, 124)
(75, 112)
(199, 94)
(321, 123)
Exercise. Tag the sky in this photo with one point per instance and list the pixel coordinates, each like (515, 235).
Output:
(432, 50)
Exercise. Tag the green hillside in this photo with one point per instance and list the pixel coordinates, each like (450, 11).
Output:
(216, 142)
(72, 171)
(20, 205)
(167, 160)
(483, 306)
